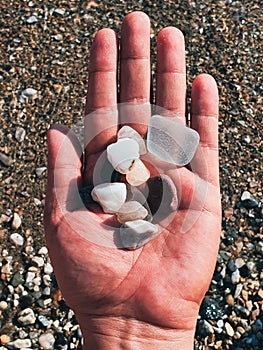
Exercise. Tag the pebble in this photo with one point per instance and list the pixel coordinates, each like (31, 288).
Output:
(4, 339)
(20, 134)
(138, 174)
(39, 171)
(248, 201)
(128, 132)
(131, 211)
(229, 329)
(122, 154)
(48, 269)
(17, 239)
(235, 276)
(26, 317)
(39, 261)
(135, 234)
(21, 343)
(3, 305)
(47, 341)
(171, 141)
(110, 196)
(29, 94)
(8, 161)
(238, 290)
(32, 20)
(16, 222)
(43, 251)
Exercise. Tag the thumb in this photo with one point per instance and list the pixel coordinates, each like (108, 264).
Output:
(64, 172)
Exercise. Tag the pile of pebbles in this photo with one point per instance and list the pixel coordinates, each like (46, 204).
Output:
(43, 72)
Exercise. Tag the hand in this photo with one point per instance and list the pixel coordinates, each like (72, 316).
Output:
(150, 297)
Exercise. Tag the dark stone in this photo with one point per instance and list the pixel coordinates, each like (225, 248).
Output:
(17, 279)
(250, 203)
(231, 266)
(210, 310)
(60, 339)
(244, 271)
(26, 301)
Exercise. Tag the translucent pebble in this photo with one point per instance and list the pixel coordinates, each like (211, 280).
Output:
(110, 196)
(135, 234)
(122, 154)
(138, 174)
(171, 141)
(128, 132)
(131, 211)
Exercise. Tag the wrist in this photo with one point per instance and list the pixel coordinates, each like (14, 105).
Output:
(130, 334)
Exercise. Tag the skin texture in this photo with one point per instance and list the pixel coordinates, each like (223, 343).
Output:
(150, 297)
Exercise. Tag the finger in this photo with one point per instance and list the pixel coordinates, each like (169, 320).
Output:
(101, 104)
(171, 71)
(204, 119)
(135, 71)
(64, 172)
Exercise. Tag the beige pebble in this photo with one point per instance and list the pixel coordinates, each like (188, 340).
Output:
(131, 211)
(229, 329)
(138, 175)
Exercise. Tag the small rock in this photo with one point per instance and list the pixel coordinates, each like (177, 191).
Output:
(245, 195)
(47, 341)
(17, 279)
(43, 320)
(37, 202)
(16, 223)
(38, 261)
(110, 196)
(43, 251)
(128, 132)
(138, 174)
(4, 339)
(8, 161)
(32, 20)
(3, 305)
(239, 262)
(57, 87)
(235, 276)
(29, 94)
(20, 134)
(135, 234)
(230, 300)
(248, 201)
(48, 269)
(58, 37)
(39, 171)
(21, 343)
(131, 211)
(122, 154)
(17, 239)
(238, 290)
(26, 317)
(59, 12)
(229, 329)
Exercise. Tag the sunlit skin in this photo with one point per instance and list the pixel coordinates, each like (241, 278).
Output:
(148, 298)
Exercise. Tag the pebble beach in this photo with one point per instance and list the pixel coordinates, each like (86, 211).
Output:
(44, 51)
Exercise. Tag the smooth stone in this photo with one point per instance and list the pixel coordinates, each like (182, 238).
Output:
(110, 196)
(162, 194)
(16, 222)
(17, 239)
(122, 154)
(251, 203)
(171, 141)
(20, 343)
(128, 132)
(229, 329)
(20, 134)
(26, 317)
(139, 174)
(245, 195)
(8, 161)
(39, 171)
(29, 93)
(47, 341)
(32, 20)
(3, 305)
(131, 211)
(135, 234)
(235, 276)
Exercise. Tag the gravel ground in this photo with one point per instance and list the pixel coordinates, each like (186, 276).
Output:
(44, 46)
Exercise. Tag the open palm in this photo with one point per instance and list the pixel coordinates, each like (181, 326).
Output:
(160, 285)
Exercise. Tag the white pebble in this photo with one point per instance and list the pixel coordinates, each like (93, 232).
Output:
(245, 195)
(26, 317)
(122, 154)
(29, 93)
(16, 223)
(3, 305)
(138, 174)
(39, 171)
(135, 234)
(20, 134)
(110, 196)
(128, 132)
(47, 341)
(21, 343)
(17, 239)
(235, 277)
(30, 276)
(131, 211)
(171, 141)
(43, 251)
(32, 20)
(38, 260)
(48, 269)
